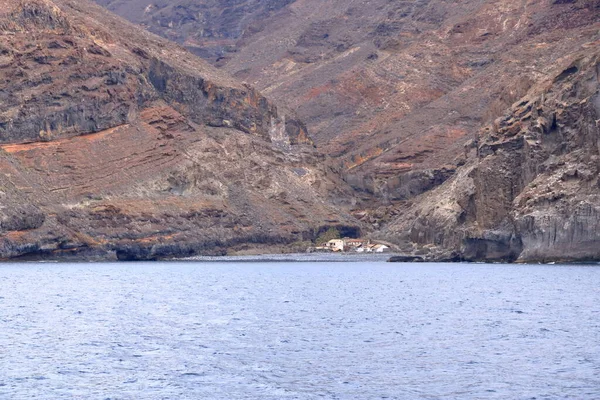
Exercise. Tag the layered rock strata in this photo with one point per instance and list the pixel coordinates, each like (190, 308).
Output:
(118, 144)
(530, 190)
(391, 89)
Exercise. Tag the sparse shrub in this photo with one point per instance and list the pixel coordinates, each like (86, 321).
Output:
(329, 234)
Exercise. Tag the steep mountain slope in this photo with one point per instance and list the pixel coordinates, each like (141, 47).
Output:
(393, 89)
(210, 28)
(117, 142)
(530, 190)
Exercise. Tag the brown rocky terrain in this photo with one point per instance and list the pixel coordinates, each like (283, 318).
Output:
(530, 190)
(209, 28)
(392, 89)
(117, 143)
(398, 93)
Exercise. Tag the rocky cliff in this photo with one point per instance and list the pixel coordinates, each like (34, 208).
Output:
(530, 189)
(398, 92)
(66, 73)
(117, 143)
(391, 89)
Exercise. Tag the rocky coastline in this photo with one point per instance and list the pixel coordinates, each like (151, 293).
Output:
(117, 144)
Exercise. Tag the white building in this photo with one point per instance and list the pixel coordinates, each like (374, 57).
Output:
(381, 248)
(336, 245)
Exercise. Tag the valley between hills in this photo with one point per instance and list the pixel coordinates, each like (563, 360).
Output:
(452, 131)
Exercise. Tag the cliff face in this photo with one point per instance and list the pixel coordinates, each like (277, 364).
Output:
(397, 93)
(391, 89)
(116, 142)
(108, 79)
(530, 189)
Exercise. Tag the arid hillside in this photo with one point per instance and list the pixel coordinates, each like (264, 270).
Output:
(209, 28)
(393, 90)
(530, 189)
(400, 94)
(457, 130)
(117, 143)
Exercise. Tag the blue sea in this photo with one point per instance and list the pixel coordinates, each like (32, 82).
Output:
(299, 330)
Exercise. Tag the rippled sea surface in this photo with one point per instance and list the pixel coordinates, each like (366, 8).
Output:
(366, 330)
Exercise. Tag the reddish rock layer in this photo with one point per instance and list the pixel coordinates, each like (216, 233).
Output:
(530, 189)
(116, 143)
(393, 89)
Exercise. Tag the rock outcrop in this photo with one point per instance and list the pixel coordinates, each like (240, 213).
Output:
(391, 89)
(66, 73)
(530, 190)
(117, 143)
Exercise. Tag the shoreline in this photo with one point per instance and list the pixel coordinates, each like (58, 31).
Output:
(283, 258)
(293, 257)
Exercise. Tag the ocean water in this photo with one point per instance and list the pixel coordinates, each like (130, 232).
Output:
(312, 330)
